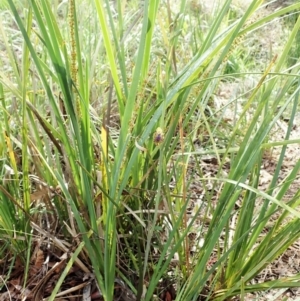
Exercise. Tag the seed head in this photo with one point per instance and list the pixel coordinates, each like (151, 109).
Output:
(158, 136)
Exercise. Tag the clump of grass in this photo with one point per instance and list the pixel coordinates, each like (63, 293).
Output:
(109, 110)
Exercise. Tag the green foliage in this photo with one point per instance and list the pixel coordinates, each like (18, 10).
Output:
(101, 146)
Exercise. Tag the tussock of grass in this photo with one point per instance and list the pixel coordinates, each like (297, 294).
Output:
(134, 148)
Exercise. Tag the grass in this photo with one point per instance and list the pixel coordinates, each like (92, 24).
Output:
(102, 106)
